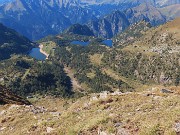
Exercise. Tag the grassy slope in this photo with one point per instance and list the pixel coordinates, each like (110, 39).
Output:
(133, 113)
(158, 37)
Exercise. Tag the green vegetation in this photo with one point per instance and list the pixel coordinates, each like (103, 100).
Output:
(26, 76)
(79, 59)
(12, 43)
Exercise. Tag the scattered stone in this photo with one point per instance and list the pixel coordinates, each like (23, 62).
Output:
(86, 105)
(94, 98)
(55, 114)
(14, 107)
(28, 97)
(138, 109)
(33, 128)
(166, 91)
(154, 88)
(147, 94)
(157, 97)
(49, 129)
(2, 112)
(111, 114)
(116, 93)
(103, 95)
(2, 128)
(117, 124)
(7, 119)
(177, 127)
(37, 110)
(122, 131)
(102, 133)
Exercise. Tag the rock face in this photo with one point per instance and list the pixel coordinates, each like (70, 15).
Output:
(145, 11)
(6, 97)
(131, 34)
(110, 25)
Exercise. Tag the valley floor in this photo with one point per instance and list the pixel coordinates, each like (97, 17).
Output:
(154, 111)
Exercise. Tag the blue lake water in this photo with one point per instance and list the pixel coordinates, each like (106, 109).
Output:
(35, 53)
(107, 42)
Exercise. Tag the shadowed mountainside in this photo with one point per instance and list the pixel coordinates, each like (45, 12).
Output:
(7, 97)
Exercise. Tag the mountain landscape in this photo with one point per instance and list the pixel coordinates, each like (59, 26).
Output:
(43, 17)
(90, 67)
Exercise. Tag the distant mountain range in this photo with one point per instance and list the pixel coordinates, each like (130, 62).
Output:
(36, 19)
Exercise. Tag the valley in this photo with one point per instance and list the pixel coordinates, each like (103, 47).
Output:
(100, 67)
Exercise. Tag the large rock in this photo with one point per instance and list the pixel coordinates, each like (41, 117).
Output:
(7, 97)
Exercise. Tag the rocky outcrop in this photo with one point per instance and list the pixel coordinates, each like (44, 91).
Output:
(145, 11)
(80, 30)
(6, 97)
(131, 34)
(110, 25)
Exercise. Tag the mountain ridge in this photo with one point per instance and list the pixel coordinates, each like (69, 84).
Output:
(37, 19)
(12, 42)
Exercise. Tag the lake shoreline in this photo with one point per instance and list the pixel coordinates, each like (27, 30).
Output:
(43, 52)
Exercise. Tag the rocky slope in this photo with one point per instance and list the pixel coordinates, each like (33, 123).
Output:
(109, 25)
(153, 57)
(145, 11)
(172, 11)
(7, 97)
(131, 34)
(150, 112)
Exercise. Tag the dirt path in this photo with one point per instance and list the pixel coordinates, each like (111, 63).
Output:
(75, 83)
(41, 50)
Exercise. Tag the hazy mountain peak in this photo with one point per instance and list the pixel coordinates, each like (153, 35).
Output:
(15, 6)
(54, 16)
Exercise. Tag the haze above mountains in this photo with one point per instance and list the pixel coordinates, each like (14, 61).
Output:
(97, 2)
(38, 18)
